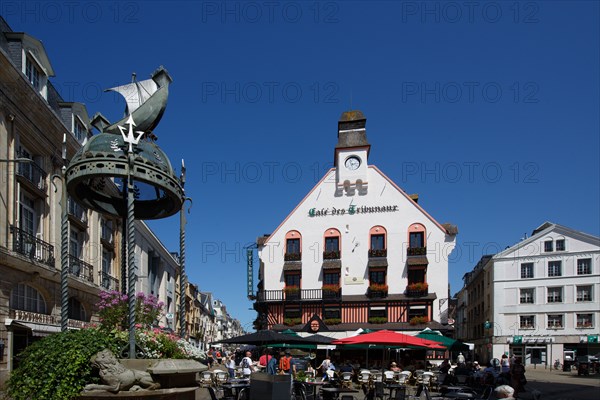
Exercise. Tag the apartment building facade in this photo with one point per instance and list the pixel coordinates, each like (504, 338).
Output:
(536, 299)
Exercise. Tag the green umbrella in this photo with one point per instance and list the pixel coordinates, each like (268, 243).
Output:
(449, 343)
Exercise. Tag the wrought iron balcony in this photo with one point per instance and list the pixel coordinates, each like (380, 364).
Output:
(28, 245)
(292, 257)
(81, 269)
(331, 255)
(416, 251)
(33, 173)
(108, 282)
(375, 253)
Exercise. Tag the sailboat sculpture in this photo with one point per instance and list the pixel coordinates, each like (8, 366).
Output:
(146, 101)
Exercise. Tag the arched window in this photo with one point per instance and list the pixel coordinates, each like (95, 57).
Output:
(378, 239)
(293, 246)
(26, 298)
(76, 310)
(332, 244)
(417, 238)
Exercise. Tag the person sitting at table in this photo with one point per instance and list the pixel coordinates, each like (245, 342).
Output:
(272, 364)
(394, 367)
(263, 361)
(285, 362)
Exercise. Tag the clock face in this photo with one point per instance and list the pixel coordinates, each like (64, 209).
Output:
(352, 163)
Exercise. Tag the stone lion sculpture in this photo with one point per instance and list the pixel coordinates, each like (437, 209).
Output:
(118, 378)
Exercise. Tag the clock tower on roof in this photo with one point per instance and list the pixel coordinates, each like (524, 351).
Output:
(351, 153)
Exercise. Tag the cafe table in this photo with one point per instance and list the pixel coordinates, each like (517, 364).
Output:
(312, 386)
(332, 393)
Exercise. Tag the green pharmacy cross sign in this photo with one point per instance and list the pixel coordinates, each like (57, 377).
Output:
(592, 338)
(517, 339)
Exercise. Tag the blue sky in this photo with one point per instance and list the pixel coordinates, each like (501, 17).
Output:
(488, 110)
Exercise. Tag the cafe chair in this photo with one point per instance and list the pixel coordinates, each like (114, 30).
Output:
(377, 377)
(206, 378)
(379, 392)
(220, 377)
(425, 379)
(346, 378)
(389, 376)
(364, 376)
(404, 377)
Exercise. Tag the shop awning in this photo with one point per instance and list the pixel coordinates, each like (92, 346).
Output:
(36, 329)
(378, 262)
(292, 266)
(332, 264)
(417, 260)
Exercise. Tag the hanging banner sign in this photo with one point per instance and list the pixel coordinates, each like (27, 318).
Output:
(250, 271)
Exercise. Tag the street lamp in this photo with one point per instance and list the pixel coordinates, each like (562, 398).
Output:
(64, 240)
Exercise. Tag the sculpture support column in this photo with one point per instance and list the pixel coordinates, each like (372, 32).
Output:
(64, 256)
(131, 255)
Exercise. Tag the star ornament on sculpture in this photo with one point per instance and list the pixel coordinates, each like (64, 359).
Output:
(130, 136)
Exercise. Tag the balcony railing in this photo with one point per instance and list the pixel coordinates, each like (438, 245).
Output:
(303, 294)
(33, 173)
(331, 255)
(81, 269)
(108, 282)
(375, 253)
(416, 251)
(292, 257)
(28, 245)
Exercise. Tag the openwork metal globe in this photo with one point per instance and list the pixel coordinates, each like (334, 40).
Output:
(158, 193)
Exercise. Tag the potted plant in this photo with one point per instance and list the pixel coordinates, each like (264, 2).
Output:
(378, 320)
(331, 255)
(378, 290)
(419, 320)
(292, 321)
(292, 292)
(331, 291)
(417, 289)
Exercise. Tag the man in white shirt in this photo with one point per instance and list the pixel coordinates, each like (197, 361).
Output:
(247, 364)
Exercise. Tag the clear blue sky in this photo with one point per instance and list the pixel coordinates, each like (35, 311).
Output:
(488, 110)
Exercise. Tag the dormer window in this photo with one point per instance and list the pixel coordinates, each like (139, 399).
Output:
(33, 73)
(79, 129)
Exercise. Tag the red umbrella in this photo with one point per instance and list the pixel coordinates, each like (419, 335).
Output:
(390, 338)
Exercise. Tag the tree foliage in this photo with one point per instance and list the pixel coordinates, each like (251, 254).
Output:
(57, 367)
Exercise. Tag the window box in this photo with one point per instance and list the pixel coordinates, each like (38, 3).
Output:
(292, 292)
(374, 253)
(292, 257)
(331, 255)
(417, 251)
(377, 291)
(378, 320)
(418, 320)
(417, 289)
(331, 291)
(292, 321)
(332, 321)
